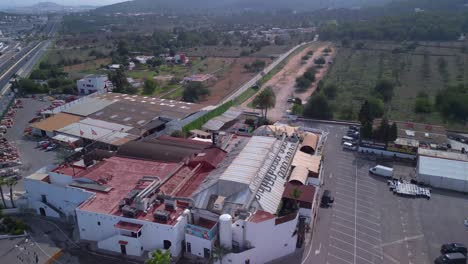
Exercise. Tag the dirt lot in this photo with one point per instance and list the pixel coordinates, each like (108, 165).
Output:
(231, 78)
(283, 83)
(234, 51)
(86, 66)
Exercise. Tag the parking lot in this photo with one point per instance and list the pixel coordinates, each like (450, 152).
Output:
(369, 224)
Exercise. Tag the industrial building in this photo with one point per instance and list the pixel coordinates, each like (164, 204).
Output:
(111, 119)
(254, 195)
(442, 169)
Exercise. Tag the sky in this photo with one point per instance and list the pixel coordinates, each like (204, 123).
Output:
(61, 2)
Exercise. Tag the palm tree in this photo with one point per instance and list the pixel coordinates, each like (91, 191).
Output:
(11, 182)
(2, 182)
(265, 100)
(219, 252)
(159, 257)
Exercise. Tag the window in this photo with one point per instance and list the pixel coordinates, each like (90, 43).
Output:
(206, 253)
(98, 223)
(247, 261)
(189, 247)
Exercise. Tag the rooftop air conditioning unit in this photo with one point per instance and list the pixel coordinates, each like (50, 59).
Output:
(128, 211)
(162, 215)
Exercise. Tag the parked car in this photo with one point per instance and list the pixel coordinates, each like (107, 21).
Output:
(451, 258)
(51, 147)
(453, 248)
(382, 171)
(41, 143)
(354, 128)
(327, 199)
(347, 139)
(350, 146)
(45, 145)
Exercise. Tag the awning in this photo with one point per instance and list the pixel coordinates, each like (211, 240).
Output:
(311, 162)
(299, 174)
(128, 226)
(65, 138)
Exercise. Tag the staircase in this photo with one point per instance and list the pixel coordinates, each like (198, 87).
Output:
(58, 211)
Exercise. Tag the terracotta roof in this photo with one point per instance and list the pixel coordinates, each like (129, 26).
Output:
(310, 140)
(128, 226)
(311, 162)
(299, 174)
(56, 122)
(260, 216)
(306, 192)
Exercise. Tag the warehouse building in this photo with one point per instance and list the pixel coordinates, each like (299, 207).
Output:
(442, 169)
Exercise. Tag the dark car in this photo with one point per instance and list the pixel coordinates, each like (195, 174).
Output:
(354, 128)
(451, 258)
(327, 199)
(453, 248)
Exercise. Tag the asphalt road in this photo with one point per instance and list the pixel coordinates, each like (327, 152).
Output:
(369, 224)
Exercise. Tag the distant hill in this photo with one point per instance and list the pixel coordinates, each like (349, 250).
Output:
(47, 7)
(232, 5)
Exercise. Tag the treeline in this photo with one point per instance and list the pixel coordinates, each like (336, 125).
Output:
(417, 26)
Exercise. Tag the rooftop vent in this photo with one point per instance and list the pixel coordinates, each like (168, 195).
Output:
(162, 215)
(128, 211)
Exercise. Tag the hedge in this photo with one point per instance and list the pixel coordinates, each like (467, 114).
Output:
(199, 122)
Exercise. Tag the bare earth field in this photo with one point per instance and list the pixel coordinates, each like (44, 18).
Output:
(231, 78)
(283, 83)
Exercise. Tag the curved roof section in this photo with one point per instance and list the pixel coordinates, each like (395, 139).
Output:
(310, 140)
(299, 174)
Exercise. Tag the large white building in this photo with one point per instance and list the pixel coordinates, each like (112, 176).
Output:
(240, 197)
(442, 169)
(93, 83)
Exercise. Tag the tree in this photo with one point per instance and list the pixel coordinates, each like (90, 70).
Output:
(330, 91)
(219, 252)
(265, 100)
(365, 114)
(318, 107)
(2, 182)
(149, 87)
(310, 74)
(303, 83)
(393, 133)
(194, 92)
(159, 257)
(122, 48)
(320, 61)
(384, 89)
(366, 130)
(376, 107)
(422, 105)
(10, 183)
(119, 80)
(382, 132)
(296, 193)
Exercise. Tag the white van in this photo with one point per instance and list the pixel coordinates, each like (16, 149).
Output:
(382, 171)
(349, 145)
(347, 139)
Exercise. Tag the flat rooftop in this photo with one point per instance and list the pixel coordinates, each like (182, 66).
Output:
(118, 176)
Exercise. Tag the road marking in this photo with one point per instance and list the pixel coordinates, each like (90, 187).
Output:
(331, 175)
(360, 248)
(335, 256)
(355, 214)
(368, 221)
(341, 232)
(344, 219)
(345, 251)
(318, 250)
(367, 235)
(338, 224)
(402, 240)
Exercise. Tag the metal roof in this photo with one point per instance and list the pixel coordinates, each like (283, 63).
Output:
(106, 125)
(100, 134)
(218, 122)
(442, 154)
(446, 168)
(55, 122)
(87, 107)
(246, 165)
(311, 162)
(299, 174)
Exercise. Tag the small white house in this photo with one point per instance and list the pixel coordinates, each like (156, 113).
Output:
(92, 83)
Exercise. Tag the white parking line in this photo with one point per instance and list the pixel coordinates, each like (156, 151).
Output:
(350, 244)
(341, 232)
(367, 207)
(369, 228)
(335, 256)
(338, 224)
(367, 235)
(368, 221)
(351, 197)
(344, 219)
(371, 253)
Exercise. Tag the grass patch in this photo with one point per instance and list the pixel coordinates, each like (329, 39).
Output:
(141, 74)
(245, 95)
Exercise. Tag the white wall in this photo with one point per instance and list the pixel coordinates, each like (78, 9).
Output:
(37, 205)
(198, 244)
(63, 197)
(133, 247)
(152, 234)
(91, 84)
(269, 242)
(60, 179)
(386, 153)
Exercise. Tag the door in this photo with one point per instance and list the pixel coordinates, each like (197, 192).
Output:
(206, 253)
(167, 244)
(42, 211)
(123, 249)
(44, 198)
(189, 247)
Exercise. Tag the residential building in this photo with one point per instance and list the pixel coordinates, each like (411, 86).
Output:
(93, 83)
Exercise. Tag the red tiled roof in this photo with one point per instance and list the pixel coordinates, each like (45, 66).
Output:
(260, 216)
(306, 192)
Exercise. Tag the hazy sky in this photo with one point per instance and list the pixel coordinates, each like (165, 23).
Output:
(62, 2)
